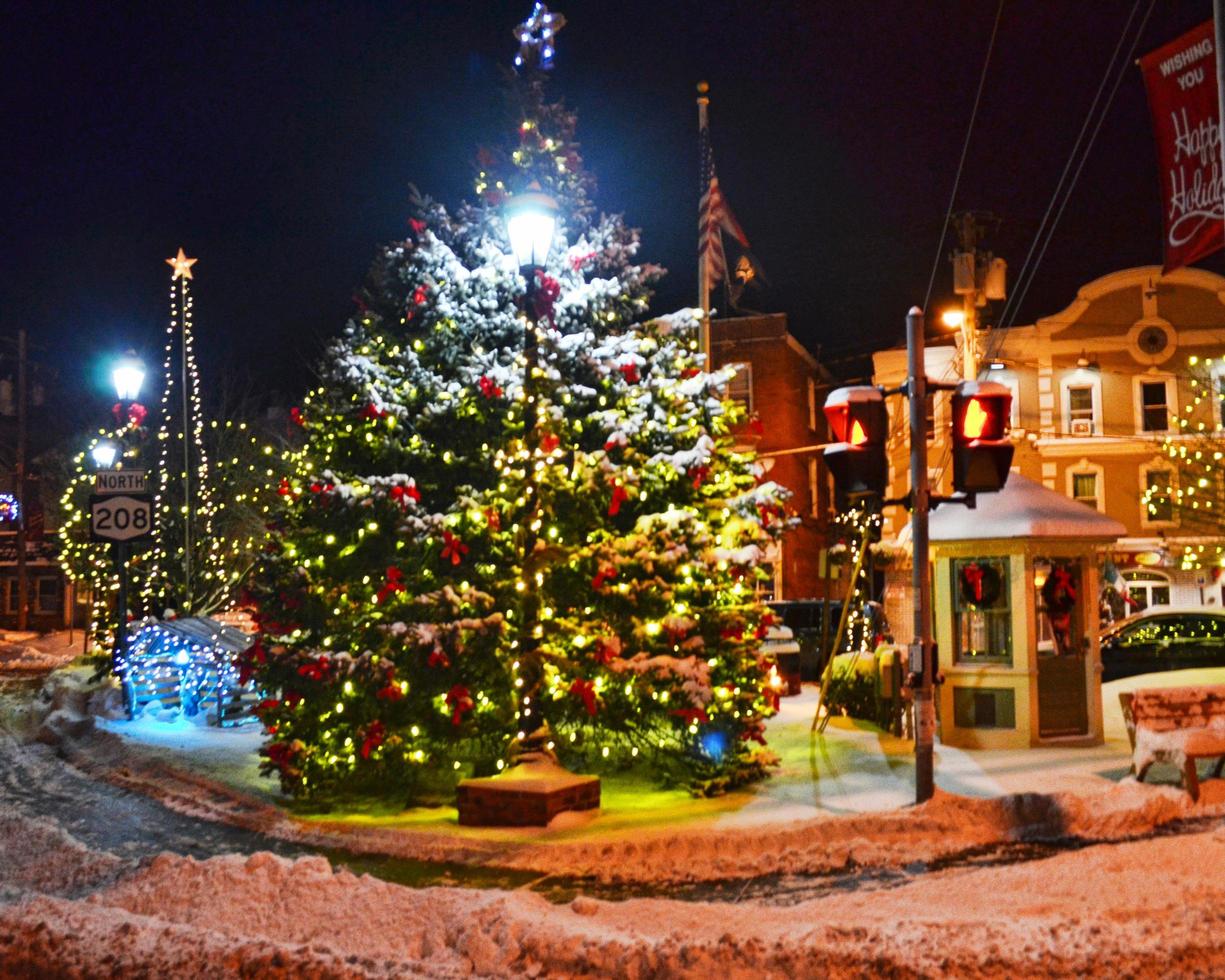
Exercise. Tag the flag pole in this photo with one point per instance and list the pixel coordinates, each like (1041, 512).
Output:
(703, 275)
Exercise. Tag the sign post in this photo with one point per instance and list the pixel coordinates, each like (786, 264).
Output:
(121, 512)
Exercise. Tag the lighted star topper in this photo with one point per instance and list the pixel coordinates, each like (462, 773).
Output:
(535, 37)
(181, 265)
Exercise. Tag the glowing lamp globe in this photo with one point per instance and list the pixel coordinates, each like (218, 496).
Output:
(531, 219)
(128, 375)
(104, 454)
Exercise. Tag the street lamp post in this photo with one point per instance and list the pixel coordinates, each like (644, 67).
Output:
(531, 220)
(127, 376)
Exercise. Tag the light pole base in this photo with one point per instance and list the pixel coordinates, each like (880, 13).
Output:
(529, 794)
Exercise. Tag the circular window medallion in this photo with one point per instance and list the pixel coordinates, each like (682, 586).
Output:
(1151, 341)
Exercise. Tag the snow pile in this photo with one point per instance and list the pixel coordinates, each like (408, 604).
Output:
(36, 654)
(1099, 912)
(37, 854)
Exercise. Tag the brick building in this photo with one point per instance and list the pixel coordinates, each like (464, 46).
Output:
(783, 387)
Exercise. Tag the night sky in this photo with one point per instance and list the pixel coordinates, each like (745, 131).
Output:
(275, 141)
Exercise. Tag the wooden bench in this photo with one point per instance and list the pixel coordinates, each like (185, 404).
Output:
(1178, 725)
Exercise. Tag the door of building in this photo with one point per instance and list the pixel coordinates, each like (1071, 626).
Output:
(1063, 707)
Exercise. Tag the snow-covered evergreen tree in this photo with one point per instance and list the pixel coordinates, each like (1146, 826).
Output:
(463, 558)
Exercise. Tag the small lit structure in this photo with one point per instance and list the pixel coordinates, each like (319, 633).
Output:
(1015, 584)
(188, 663)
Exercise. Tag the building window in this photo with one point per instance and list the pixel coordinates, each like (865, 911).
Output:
(981, 611)
(1156, 502)
(814, 488)
(10, 596)
(984, 707)
(929, 416)
(740, 387)
(812, 405)
(1084, 488)
(1082, 418)
(1153, 405)
(1146, 588)
(47, 598)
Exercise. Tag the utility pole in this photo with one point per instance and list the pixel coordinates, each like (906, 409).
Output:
(922, 658)
(704, 284)
(978, 276)
(23, 585)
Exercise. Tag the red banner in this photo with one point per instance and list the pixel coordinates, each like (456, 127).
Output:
(1182, 95)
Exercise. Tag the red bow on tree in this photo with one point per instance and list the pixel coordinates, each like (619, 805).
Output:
(691, 716)
(586, 690)
(403, 494)
(629, 372)
(460, 702)
(699, 475)
(547, 292)
(548, 442)
(417, 225)
(619, 496)
(438, 658)
(316, 670)
(604, 652)
(137, 413)
(392, 692)
(488, 388)
(763, 627)
(420, 295)
(394, 584)
(453, 548)
(603, 574)
(285, 489)
(374, 738)
(372, 411)
(295, 413)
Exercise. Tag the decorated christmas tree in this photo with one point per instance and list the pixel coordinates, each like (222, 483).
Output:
(517, 514)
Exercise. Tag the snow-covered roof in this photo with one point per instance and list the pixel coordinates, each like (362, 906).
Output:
(1023, 509)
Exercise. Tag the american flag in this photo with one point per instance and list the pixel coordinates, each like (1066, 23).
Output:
(714, 217)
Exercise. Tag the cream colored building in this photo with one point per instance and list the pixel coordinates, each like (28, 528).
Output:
(1097, 388)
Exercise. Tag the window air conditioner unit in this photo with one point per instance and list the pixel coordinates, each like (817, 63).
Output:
(1082, 427)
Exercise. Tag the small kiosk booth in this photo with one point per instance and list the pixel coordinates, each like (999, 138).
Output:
(1015, 595)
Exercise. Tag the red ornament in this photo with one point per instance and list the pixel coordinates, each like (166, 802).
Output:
(460, 702)
(392, 692)
(548, 442)
(295, 413)
(285, 488)
(453, 548)
(137, 413)
(493, 519)
(373, 412)
(488, 387)
(417, 225)
(394, 584)
(699, 475)
(689, 372)
(586, 690)
(420, 295)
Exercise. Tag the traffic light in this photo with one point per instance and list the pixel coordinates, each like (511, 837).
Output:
(982, 451)
(860, 424)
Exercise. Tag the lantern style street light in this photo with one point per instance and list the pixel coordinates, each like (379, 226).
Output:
(531, 220)
(128, 375)
(104, 454)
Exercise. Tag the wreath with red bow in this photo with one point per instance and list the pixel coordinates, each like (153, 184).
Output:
(980, 584)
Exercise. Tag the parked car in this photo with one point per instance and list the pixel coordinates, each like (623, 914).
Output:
(1153, 641)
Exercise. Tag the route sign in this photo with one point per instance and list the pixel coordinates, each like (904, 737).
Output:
(120, 481)
(120, 517)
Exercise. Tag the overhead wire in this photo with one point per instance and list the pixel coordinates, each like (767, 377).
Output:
(1064, 187)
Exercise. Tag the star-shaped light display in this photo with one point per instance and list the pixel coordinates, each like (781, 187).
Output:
(181, 265)
(535, 36)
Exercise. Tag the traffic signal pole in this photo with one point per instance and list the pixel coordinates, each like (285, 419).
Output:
(921, 650)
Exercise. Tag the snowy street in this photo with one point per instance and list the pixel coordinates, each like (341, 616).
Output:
(118, 862)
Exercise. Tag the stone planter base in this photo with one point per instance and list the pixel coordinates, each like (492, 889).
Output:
(527, 795)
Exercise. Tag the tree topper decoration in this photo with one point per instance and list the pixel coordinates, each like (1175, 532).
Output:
(535, 36)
